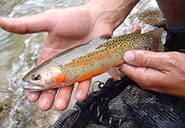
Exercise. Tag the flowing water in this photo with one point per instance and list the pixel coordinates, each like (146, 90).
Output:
(19, 53)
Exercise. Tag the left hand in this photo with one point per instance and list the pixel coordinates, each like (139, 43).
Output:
(162, 72)
(66, 28)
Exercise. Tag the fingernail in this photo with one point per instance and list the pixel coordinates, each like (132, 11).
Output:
(129, 56)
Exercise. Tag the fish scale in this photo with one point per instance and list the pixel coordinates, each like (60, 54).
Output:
(89, 60)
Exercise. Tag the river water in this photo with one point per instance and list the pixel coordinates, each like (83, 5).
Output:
(19, 53)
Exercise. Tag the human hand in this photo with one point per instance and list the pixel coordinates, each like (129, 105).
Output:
(162, 72)
(66, 28)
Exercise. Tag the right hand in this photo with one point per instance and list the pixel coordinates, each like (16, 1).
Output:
(66, 28)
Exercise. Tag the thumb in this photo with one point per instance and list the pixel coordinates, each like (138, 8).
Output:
(142, 58)
(145, 67)
(27, 24)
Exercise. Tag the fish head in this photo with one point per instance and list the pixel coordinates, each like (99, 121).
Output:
(155, 44)
(42, 79)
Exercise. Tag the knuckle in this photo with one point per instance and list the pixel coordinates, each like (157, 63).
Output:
(172, 61)
(142, 58)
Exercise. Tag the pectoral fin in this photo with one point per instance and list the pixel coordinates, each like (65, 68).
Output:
(114, 73)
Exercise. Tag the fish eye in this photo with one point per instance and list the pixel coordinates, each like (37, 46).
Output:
(36, 77)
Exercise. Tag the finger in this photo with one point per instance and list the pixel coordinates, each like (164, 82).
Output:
(33, 95)
(63, 97)
(136, 27)
(27, 24)
(147, 59)
(83, 89)
(142, 75)
(46, 99)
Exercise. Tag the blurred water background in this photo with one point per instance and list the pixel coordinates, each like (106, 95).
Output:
(19, 53)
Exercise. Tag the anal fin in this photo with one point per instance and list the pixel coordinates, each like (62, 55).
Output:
(114, 73)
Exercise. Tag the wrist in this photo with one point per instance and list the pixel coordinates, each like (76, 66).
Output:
(111, 13)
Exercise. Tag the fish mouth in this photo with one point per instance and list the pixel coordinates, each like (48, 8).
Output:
(32, 87)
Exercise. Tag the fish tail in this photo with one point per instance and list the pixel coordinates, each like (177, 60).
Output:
(157, 35)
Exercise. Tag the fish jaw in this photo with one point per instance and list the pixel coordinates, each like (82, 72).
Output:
(33, 87)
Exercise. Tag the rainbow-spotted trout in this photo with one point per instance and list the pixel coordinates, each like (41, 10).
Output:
(89, 60)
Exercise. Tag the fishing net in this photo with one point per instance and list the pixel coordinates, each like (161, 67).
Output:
(122, 104)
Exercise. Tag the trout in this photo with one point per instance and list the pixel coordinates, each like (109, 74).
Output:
(86, 61)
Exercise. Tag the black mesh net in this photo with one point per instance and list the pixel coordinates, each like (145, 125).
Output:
(122, 104)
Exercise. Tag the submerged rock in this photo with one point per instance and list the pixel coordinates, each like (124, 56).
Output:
(153, 17)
